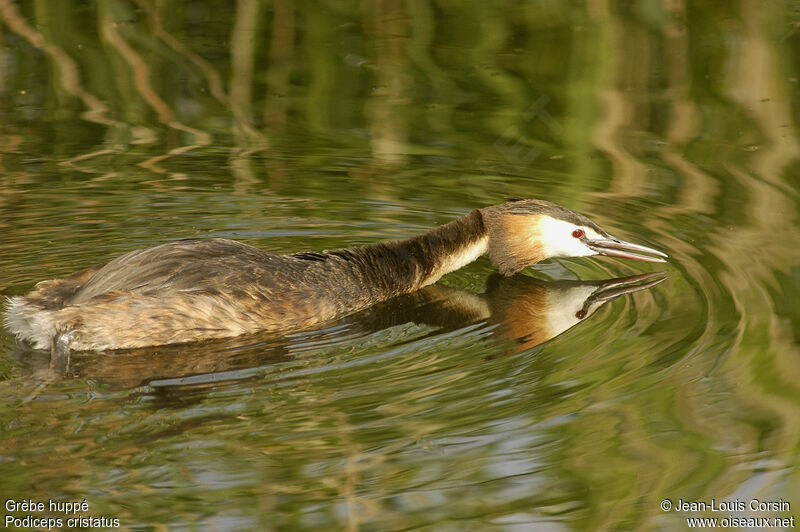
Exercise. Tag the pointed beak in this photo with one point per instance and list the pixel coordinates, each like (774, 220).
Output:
(613, 288)
(614, 247)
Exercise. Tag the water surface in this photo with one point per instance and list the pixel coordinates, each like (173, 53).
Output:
(311, 126)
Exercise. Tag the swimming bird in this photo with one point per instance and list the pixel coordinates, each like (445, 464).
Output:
(197, 289)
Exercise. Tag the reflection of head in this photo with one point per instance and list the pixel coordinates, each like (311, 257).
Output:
(534, 311)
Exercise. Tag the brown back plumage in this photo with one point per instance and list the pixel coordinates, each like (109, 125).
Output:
(188, 290)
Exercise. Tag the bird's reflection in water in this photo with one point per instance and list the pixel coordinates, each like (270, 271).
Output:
(531, 312)
(520, 309)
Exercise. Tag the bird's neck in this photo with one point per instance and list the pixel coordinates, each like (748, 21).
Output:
(387, 269)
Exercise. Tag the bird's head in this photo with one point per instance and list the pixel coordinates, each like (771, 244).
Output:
(525, 231)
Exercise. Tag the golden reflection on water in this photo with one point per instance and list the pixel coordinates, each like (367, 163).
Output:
(309, 127)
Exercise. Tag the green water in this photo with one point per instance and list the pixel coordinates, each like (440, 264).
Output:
(306, 126)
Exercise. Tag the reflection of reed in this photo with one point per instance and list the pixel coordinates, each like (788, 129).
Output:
(155, 15)
(68, 75)
(68, 72)
(110, 29)
(758, 86)
(76, 161)
(618, 109)
(243, 39)
(239, 99)
(698, 189)
(388, 123)
(281, 51)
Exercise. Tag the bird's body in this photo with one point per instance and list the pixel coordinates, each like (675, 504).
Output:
(191, 290)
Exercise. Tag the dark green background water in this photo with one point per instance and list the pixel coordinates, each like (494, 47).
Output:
(300, 126)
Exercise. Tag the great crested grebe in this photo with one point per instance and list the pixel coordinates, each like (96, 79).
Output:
(197, 289)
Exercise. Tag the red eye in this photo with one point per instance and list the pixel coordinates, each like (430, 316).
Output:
(578, 233)
(580, 314)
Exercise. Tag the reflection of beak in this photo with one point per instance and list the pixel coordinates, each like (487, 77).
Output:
(614, 288)
(614, 247)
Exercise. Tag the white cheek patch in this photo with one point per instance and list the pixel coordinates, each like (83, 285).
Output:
(558, 240)
(564, 306)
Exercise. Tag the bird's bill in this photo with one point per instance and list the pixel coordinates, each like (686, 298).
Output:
(613, 288)
(614, 247)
